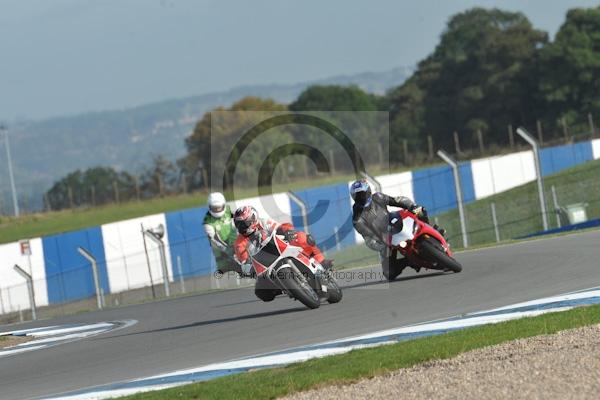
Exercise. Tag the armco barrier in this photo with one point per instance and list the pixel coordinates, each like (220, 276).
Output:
(328, 215)
(10, 254)
(61, 275)
(554, 159)
(497, 174)
(68, 275)
(596, 148)
(434, 187)
(131, 261)
(191, 254)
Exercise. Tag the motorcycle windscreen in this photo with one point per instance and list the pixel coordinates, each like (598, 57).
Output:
(268, 254)
(407, 233)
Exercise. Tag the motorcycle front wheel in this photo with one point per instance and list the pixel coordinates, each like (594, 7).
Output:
(334, 292)
(298, 287)
(432, 251)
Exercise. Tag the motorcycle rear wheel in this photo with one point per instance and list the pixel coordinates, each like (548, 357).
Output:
(432, 251)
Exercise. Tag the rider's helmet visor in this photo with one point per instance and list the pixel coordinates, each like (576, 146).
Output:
(217, 208)
(361, 198)
(245, 227)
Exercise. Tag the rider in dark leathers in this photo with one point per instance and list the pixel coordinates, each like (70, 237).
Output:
(370, 218)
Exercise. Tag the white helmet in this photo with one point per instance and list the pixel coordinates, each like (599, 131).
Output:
(216, 204)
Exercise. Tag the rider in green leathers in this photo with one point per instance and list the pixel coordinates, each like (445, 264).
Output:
(221, 232)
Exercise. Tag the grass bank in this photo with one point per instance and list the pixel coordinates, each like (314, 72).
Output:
(357, 364)
(518, 209)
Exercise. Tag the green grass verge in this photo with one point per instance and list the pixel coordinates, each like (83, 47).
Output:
(517, 209)
(365, 363)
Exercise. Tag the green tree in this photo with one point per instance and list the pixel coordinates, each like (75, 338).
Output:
(353, 111)
(215, 134)
(93, 186)
(334, 98)
(160, 178)
(570, 68)
(406, 108)
(479, 76)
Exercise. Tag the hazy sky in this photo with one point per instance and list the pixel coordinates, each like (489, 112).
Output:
(61, 57)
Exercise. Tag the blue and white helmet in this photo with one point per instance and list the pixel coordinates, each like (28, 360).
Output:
(361, 193)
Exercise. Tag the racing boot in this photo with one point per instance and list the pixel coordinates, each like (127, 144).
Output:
(417, 269)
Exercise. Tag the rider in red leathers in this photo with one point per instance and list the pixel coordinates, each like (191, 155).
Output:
(251, 228)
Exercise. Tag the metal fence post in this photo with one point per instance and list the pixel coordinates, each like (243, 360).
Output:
(27, 277)
(303, 209)
(179, 270)
(480, 140)
(495, 221)
(156, 236)
(556, 207)
(430, 147)
(337, 238)
(459, 199)
(87, 255)
(538, 171)
(10, 171)
(148, 261)
(456, 143)
(1, 301)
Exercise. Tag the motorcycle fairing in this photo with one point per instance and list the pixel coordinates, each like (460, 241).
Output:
(407, 232)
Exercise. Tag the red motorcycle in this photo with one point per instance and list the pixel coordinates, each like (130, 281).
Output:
(283, 268)
(421, 244)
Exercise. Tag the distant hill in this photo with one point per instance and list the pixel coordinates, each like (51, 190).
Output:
(44, 151)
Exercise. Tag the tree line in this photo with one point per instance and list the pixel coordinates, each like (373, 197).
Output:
(490, 70)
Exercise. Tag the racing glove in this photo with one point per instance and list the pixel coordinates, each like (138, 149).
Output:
(374, 244)
(420, 212)
(290, 235)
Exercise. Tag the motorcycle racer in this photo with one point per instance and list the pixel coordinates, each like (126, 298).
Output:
(370, 218)
(220, 231)
(252, 230)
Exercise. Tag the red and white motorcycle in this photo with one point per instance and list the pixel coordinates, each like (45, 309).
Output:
(421, 244)
(281, 267)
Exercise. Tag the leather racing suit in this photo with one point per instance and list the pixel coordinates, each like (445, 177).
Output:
(264, 289)
(372, 223)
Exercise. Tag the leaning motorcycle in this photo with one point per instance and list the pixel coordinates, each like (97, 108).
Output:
(290, 271)
(421, 244)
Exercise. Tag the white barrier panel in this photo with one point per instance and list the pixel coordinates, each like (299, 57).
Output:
(126, 261)
(13, 287)
(399, 184)
(276, 206)
(497, 174)
(596, 148)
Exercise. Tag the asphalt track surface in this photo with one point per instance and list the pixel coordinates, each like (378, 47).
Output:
(197, 330)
